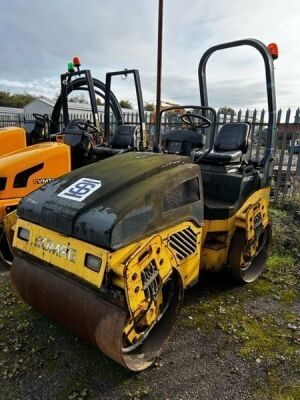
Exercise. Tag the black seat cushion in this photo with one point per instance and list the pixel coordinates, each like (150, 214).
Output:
(223, 157)
(231, 143)
(123, 139)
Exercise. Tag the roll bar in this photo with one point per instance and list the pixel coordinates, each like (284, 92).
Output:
(139, 96)
(93, 87)
(266, 162)
(65, 80)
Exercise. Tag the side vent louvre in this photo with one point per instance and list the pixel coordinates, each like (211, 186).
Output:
(21, 179)
(184, 243)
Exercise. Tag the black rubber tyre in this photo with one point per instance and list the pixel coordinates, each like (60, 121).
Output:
(243, 269)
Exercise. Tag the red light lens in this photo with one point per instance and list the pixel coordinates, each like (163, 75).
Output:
(273, 49)
(76, 61)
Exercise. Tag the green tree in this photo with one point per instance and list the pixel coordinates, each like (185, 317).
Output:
(149, 107)
(78, 99)
(126, 104)
(99, 102)
(17, 100)
(4, 99)
(226, 109)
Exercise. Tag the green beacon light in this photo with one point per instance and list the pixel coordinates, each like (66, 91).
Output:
(71, 67)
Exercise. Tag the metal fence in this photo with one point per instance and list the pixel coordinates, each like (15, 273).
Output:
(286, 174)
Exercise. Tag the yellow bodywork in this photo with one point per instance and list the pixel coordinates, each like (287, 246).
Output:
(11, 139)
(186, 247)
(8, 225)
(59, 251)
(51, 247)
(125, 266)
(214, 252)
(52, 159)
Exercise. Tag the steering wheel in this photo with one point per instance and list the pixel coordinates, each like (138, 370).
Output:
(87, 124)
(38, 116)
(42, 117)
(187, 119)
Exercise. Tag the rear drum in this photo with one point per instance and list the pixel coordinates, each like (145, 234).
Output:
(248, 269)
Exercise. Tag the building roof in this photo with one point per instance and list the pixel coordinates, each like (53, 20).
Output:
(43, 100)
(11, 110)
(75, 106)
(82, 106)
(72, 105)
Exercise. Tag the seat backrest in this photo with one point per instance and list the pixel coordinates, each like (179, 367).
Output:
(37, 130)
(233, 136)
(123, 137)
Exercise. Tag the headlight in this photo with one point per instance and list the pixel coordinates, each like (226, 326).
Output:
(92, 262)
(23, 234)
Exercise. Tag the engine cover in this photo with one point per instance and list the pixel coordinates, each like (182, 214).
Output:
(119, 200)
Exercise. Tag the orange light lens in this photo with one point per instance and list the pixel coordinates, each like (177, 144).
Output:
(273, 49)
(76, 61)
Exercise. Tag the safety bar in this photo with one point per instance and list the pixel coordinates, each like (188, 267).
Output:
(270, 85)
(139, 96)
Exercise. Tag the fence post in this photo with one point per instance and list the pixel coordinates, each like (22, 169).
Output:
(239, 116)
(298, 165)
(276, 132)
(260, 130)
(282, 153)
(252, 130)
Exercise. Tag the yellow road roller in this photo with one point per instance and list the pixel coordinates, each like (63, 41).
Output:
(108, 249)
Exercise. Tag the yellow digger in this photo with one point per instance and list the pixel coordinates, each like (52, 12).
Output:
(109, 249)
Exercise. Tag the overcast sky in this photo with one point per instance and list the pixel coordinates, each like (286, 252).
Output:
(38, 38)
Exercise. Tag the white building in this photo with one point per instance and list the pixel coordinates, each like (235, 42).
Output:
(7, 111)
(45, 106)
(9, 116)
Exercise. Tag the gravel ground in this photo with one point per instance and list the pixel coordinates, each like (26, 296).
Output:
(231, 342)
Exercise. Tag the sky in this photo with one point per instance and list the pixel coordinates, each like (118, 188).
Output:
(38, 38)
